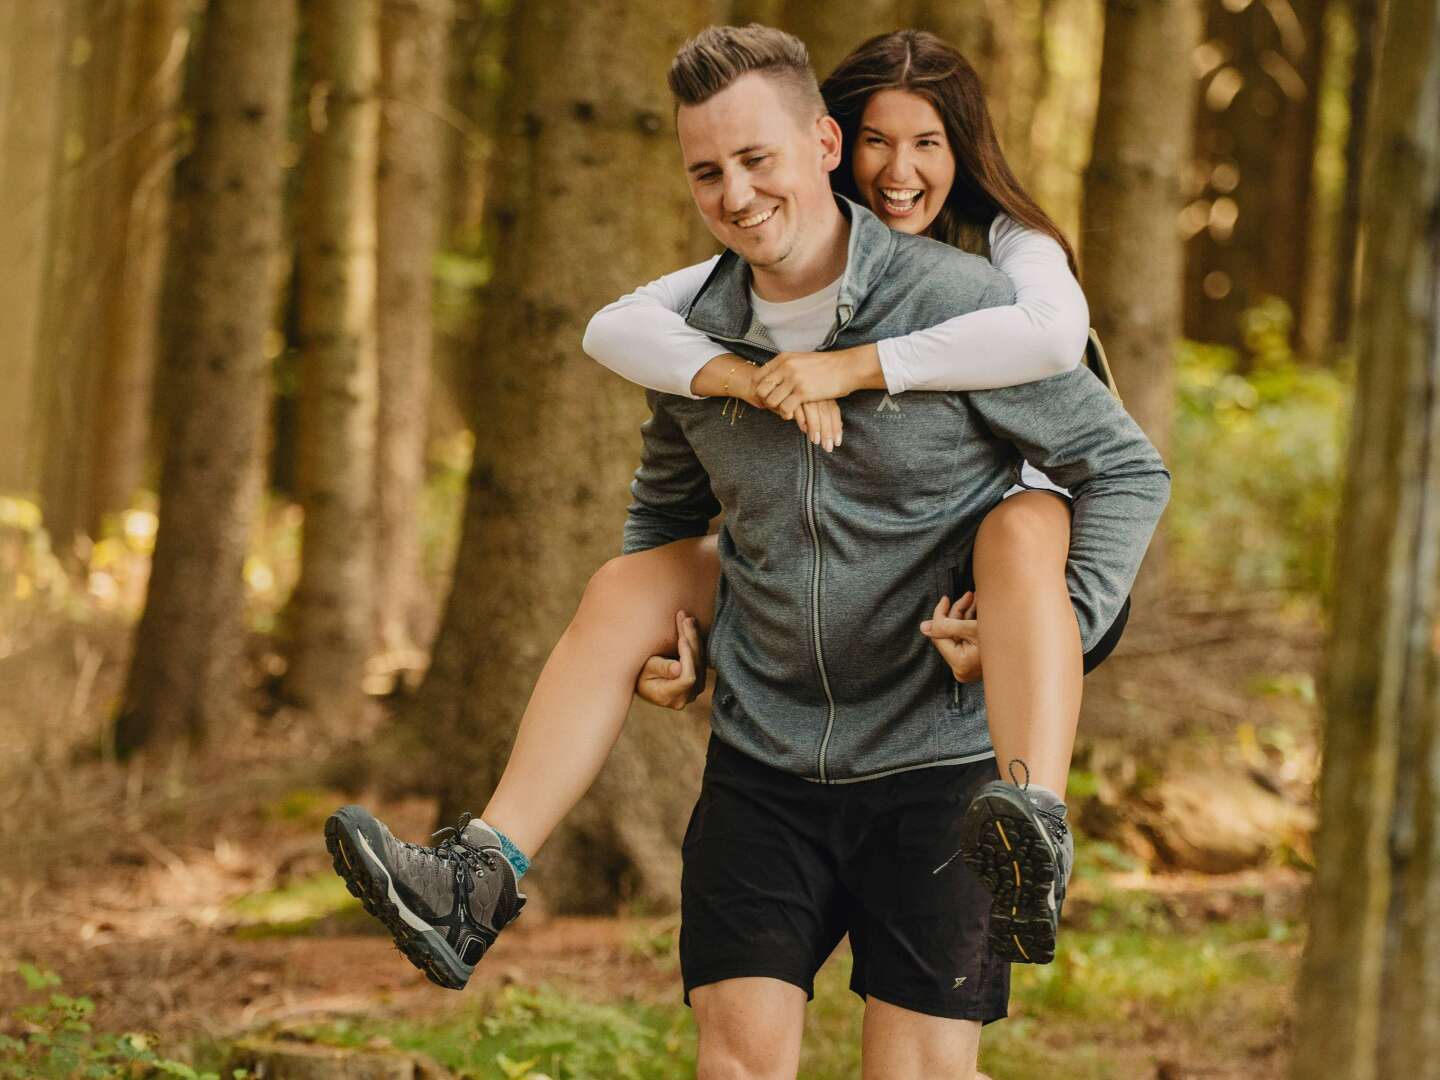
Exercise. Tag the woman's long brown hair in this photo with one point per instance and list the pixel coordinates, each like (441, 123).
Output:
(922, 64)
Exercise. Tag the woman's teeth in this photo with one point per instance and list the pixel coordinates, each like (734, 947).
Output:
(900, 200)
(756, 219)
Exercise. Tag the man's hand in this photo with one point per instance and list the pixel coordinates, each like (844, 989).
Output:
(956, 633)
(793, 378)
(675, 683)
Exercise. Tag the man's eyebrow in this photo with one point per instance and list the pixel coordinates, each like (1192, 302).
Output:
(738, 153)
(885, 135)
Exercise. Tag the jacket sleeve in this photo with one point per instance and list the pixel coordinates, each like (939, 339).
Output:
(1072, 429)
(671, 492)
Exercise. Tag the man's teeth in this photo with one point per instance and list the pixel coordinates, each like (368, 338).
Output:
(756, 219)
(901, 198)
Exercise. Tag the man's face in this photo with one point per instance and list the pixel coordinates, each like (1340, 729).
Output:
(759, 174)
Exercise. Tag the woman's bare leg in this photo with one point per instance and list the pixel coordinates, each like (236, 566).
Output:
(1029, 639)
(579, 703)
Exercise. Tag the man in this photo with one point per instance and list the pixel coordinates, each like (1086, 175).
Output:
(844, 753)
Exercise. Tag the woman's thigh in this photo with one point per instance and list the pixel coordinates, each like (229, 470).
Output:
(647, 588)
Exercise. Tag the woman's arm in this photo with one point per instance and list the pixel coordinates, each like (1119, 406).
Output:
(1042, 334)
(642, 337)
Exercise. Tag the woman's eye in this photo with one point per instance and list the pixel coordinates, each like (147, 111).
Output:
(874, 140)
(928, 142)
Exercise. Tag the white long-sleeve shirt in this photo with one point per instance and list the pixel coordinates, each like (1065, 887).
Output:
(642, 336)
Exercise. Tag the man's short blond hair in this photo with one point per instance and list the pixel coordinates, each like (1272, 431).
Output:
(714, 58)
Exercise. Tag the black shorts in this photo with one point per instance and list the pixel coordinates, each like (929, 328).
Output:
(778, 869)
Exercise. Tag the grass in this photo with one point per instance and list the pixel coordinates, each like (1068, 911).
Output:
(1129, 987)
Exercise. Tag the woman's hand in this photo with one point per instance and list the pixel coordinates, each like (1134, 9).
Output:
(956, 633)
(793, 378)
(821, 421)
(674, 684)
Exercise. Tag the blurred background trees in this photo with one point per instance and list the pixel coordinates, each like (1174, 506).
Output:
(293, 404)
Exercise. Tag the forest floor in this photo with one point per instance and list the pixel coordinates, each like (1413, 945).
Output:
(194, 898)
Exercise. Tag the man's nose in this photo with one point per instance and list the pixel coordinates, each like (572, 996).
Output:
(738, 192)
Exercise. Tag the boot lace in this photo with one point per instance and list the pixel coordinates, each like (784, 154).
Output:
(452, 847)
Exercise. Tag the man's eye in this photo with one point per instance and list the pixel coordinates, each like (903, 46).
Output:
(706, 178)
(752, 162)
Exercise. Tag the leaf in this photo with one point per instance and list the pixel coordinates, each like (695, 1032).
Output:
(38, 978)
(515, 1070)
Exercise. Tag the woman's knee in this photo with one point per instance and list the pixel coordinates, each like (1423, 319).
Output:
(1029, 529)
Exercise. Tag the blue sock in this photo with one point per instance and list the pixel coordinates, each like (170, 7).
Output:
(517, 859)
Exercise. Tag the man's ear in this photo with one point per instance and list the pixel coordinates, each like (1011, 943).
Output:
(830, 140)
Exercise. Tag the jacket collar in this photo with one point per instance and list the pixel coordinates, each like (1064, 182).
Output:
(721, 308)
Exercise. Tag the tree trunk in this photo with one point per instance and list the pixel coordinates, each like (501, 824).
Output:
(414, 36)
(36, 61)
(332, 612)
(590, 201)
(142, 138)
(1132, 256)
(228, 205)
(1368, 992)
(75, 272)
(1255, 150)
(1365, 25)
(831, 31)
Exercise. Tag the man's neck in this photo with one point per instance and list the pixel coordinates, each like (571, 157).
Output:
(821, 265)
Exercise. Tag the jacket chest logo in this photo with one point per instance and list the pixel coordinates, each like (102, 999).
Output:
(887, 405)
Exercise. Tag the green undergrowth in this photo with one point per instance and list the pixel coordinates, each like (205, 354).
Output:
(297, 907)
(1130, 984)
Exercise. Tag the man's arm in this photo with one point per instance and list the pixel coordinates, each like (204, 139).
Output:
(671, 489)
(1072, 429)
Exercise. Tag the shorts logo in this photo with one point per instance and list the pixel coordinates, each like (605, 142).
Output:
(887, 404)
(959, 981)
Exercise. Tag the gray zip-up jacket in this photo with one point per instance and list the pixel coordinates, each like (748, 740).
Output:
(830, 561)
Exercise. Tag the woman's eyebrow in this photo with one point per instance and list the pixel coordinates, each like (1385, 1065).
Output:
(884, 135)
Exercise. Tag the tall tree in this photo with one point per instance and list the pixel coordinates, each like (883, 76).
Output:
(1369, 989)
(1132, 255)
(832, 30)
(133, 231)
(34, 63)
(589, 201)
(228, 203)
(1255, 151)
(414, 40)
(332, 612)
(1365, 26)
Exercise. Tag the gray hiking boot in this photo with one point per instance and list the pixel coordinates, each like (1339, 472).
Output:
(1017, 842)
(445, 905)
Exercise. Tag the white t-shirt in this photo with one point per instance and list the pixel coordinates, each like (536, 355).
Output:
(799, 325)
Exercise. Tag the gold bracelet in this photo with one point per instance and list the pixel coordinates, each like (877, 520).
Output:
(734, 405)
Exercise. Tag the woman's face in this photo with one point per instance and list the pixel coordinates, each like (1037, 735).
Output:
(903, 163)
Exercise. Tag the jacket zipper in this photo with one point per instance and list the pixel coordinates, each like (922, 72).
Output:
(843, 318)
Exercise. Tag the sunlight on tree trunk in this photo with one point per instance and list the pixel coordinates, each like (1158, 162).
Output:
(1369, 989)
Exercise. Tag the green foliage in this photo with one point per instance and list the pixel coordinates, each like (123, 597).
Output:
(524, 1034)
(57, 1041)
(1257, 460)
(294, 908)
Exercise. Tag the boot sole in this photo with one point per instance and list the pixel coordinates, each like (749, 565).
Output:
(368, 880)
(1002, 844)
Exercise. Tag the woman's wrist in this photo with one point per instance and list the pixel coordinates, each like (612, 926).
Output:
(863, 370)
(726, 375)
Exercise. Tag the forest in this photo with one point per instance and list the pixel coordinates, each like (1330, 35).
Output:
(304, 472)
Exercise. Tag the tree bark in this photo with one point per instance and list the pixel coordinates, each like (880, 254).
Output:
(1132, 256)
(1365, 25)
(831, 31)
(1369, 999)
(414, 39)
(332, 611)
(36, 63)
(589, 201)
(142, 137)
(228, 204)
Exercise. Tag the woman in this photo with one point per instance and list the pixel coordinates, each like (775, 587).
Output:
(920, 151)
